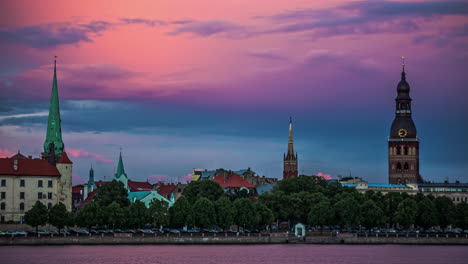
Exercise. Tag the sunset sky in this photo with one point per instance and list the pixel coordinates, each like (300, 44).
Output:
(211, 84)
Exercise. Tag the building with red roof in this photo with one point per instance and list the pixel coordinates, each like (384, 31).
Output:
(232, 180)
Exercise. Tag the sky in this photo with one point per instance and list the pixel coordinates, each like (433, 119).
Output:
(207, 84)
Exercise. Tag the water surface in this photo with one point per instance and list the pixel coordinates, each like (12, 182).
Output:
(232, 254)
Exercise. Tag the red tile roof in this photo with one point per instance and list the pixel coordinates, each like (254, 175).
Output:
(77, 189)
(166, 189)
(18, 156)
(139, 186)
(232, 180)
(27, 167)
(99, 183)
(64, 159)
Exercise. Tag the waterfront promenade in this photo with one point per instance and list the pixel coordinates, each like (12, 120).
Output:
(275, 238)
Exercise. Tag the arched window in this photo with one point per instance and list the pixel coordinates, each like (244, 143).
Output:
(49, 205)
(2, 206)
(398, 150)
(406, 167)
(398, 166)
(21, 206)
(405, 150)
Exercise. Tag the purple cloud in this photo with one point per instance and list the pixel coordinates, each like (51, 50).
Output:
(210, 28)
(54, 34)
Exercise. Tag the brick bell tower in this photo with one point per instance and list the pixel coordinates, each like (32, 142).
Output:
(290, 159)
(403, 144)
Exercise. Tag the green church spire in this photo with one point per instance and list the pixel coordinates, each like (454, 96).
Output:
(54, 129)
(120, 168)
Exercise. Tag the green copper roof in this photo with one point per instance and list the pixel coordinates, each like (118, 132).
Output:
(91, 178)
(120, 168)
(54, 129)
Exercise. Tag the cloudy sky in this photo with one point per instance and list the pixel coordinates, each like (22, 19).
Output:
(208, 84)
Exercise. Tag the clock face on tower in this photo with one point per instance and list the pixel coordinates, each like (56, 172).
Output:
(402, 133)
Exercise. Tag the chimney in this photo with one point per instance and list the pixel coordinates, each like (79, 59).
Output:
(225, 177)
(29, 157)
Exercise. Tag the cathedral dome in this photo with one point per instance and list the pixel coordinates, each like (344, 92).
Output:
(403, 127)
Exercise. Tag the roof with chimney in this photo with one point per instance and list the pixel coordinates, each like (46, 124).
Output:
(27, 167)
(231, 180)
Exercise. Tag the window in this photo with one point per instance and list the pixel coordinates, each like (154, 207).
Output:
(406, 167)
(21, 206)
(3, 183)
(22, 195)
(3, 195)
(39, 195)
(39, 183)
(398, 166)
(22, 183)
(2, 219)
(2, 206)
(49, 195)
(49, 205)
(406, 150)
(49, 184)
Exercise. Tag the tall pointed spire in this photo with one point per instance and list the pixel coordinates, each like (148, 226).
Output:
(290, 159)
(290, 139)
(120, 168)
(54, 129)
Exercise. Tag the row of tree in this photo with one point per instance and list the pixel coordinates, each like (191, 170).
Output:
(305, 199)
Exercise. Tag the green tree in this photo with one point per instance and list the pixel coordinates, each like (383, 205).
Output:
(225, 212)
(180, 214)
(112, 192)
(406, 212)
(427, 213)
(302, 183)
(372, 215)
(320, 214)
(89, 215)
(264, 215)
(158, 213)
(445, 210)
(202, 188)
(37, 215)
(204, 213)
(245, 213)
(461, 215)
(58, 216)
(136, 215)
(113, 215)
(347, 211)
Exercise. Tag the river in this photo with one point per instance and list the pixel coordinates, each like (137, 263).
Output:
(232, 254)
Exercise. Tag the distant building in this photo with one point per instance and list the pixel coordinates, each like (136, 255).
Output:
(403, 144)
(137, 191)
(24, 180)
(363, 186)
(290, 158)
(456, 191)
(231, 182)
(249, 175)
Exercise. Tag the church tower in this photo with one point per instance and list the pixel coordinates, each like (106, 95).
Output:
(403, 144)
(290, 159)
(53, 144)
(120, 175)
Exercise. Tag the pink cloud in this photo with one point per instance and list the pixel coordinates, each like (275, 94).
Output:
(76, 179)
(324, 176)
(76, 153)
(5, 153)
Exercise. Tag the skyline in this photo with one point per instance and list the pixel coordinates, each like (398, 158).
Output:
(158, 68)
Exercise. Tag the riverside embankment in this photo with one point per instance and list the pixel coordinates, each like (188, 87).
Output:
(123, 239)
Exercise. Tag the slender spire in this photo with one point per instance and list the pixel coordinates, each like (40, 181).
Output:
(54, 129)
(120, 167)
(290, 139)
(403, 74)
